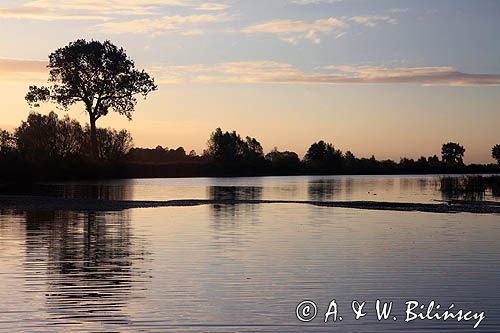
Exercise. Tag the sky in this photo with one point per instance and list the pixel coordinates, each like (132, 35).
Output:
(386, 78)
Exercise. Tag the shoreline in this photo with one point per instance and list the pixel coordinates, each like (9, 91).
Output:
(44, 203)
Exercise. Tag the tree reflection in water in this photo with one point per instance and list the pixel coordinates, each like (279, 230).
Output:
(91, 263)
(471, 188)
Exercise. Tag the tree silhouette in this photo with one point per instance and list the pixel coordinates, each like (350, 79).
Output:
(100, 75)
(7, 143)
(323, 156)
(453, 153)
(230, 147)
(46, 138)
(495, 153)
(284, 161)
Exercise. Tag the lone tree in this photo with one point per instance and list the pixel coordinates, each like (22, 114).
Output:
(453, 153)
(495, 153)
(100, 75)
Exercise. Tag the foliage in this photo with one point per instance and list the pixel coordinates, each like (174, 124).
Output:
(285, 162)
(495, 153)
(161, 155)
(98, 74)
(228, 147)
(7, 143)
(44, 138)
(323, 156)
(112, 145)
(453, 153)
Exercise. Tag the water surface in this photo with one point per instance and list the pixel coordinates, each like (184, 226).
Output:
(403, 188)
(243, 268)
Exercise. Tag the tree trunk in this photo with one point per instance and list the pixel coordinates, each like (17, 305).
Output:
(93, 138)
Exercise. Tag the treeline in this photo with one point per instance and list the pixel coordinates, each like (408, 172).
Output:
(229, 154)
(49, 147)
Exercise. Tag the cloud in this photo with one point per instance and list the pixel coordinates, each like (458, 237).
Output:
(22, 69)
(294, 31)
(35, 13)
(99, 9)
(313, 2)
(291, 31)
(276, 72)
(185, 25)
(128, 7)
(212, 6)
(399, 10)
(237, 72)
(372, 21)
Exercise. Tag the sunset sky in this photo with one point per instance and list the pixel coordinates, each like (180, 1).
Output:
(389, 78)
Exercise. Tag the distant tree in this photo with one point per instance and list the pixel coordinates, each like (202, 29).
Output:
(100, 75)
(112, 145)
(407, 163)
(7, 142)
(229, 147)
(349, 160)
(495, 153)
(253, 148)
(283, 161)
(323, 156)
(433, 159)
(422, 163)
(453, 153)
(349, 156)
(46, 138)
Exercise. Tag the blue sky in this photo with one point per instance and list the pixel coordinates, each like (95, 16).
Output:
(370, 76)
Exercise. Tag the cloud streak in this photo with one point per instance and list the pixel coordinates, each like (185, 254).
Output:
(183, 25)
(373, 21)
(50, 10)
(35, 13)
(313, 2)
(22, 69)
(293, 31)
(276, 72)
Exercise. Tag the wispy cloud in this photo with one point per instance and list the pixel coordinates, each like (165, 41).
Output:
(399, 10)
(277, 72)
(313, 2)
(22, 69)
(36, 13)
(100, 9)
(129, 7)
(212, 6)
(373, 20)
(184, 25)
(294, 31)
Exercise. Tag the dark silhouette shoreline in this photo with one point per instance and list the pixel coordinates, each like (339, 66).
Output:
(49, 148)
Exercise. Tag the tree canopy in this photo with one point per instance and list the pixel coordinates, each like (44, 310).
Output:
(98, 74)
(495, 153)
(453, 153)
